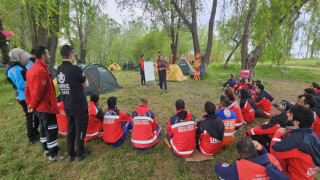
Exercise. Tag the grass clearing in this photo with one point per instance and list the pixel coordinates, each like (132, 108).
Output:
(303, 62)
(23, 161)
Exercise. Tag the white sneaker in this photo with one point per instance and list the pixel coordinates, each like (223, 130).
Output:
(46, 153)
(58, 157)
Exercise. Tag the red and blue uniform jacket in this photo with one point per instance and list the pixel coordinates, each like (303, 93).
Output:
(210, 132)
(112, 125)
(144, 127)
(237, 110)
(298, 153)
(264, 100)
(62, 120)
(251, 168)
(94, 124)
(316, 125)
(162, 64)
(248, 112)
(16, 75)
(230, 83)
(270, 127)
(40, 92)
(228, 118)
(182, 130)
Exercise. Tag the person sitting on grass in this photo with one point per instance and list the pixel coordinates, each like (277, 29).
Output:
(145, 131)
(95, 118)
(298, 150)
(253, 89)
(247, 105)
(231, 82)
(181, 131)
(254, 163)
(210, 131)
(62, 119)
(228, 118)
(264, 132)
(234, 106)
(240, 83)
(263, 101)
(316, 88)
(116, 124)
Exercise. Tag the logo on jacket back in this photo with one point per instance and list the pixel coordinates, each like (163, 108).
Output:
(61, 78)
(227, 113)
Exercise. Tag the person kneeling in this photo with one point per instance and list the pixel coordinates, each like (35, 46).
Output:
(95, 118)
(254, 163)
(116, 124)
(145, 130)
(181, 131)
(210, 131)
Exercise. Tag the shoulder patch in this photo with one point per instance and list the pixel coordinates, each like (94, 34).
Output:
(44, 82)
(227, 113)
(225, 165)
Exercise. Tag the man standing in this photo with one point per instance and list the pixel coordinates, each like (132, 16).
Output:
(41, 99)
(16, 75)
(162, 71)
(143, 78)
(71, 81)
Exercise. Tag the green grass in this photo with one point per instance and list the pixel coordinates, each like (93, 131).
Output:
(303, 62)
(20, 160)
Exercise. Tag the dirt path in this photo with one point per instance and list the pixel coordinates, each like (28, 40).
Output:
(301, 67)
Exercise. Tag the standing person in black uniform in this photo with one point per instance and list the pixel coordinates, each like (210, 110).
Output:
(162, 70)
(71, 81)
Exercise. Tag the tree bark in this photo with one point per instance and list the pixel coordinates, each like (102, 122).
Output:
(246, 34)
(210, 35)
(230, 55)
(3, 46)
(53, 38)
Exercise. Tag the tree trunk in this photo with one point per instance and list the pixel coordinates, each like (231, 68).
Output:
(210, 35)
(32, 25)
(3, 46)
(253, 58)
(230, 55)
(246, 34)
(53, 38)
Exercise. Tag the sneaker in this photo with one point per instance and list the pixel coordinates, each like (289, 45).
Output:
(58, 157)
(46, 153)
(70, 158)
(83, 156)
(166, 91)
(145, 86)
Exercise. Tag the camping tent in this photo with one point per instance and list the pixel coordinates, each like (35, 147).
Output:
(101, 80)
(185, 67)
(128, 66)
(114, 67)
(175, 73)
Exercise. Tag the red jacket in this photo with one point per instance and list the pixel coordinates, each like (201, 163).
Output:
(254, 94)
(62, 120)
(248, 113)
(316, 125)
(209, 145)
(162, 64)
(183, 134)
(141, 64)
(40, 93)
(94, 124)
(298, 165)
(112, 126)
(144, 126)
(237, 110)
(265, 106)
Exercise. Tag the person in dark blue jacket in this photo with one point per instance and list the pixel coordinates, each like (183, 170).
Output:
(254, 162)
(16, 75)
(231, 82)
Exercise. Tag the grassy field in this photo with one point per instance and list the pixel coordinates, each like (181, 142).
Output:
(303, 62)
(20, 160)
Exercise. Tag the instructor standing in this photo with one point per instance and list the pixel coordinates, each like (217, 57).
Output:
(71, 81)
(162, 71)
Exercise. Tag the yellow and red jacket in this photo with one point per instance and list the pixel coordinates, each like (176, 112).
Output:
(94, 124)
(228, 118)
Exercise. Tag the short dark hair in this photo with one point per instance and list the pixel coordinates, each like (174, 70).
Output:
(94, 98)
(142, 56)
(246, 148)
(310, 100)
(309, 91)
(180, 104)
(300, 96)
(315, 85)
(224, 101)
(257, 81)
(209, 107)
(33, 51)
(39, 51)
(302, 114)
(159, 52)
(279, 107)
(144, 101)
(260, 86)
(66, 50)
(112, 102)
(231, 75)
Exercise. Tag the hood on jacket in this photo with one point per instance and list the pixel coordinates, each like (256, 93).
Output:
(213, 125)
(142, 109)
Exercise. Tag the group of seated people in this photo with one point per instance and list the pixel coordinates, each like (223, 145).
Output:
(286, 146)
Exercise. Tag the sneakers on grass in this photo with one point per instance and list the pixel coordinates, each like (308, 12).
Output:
(83, 156)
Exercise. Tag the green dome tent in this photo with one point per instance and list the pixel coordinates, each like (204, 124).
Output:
(128, 66)
(101, 80)
(185, 67)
